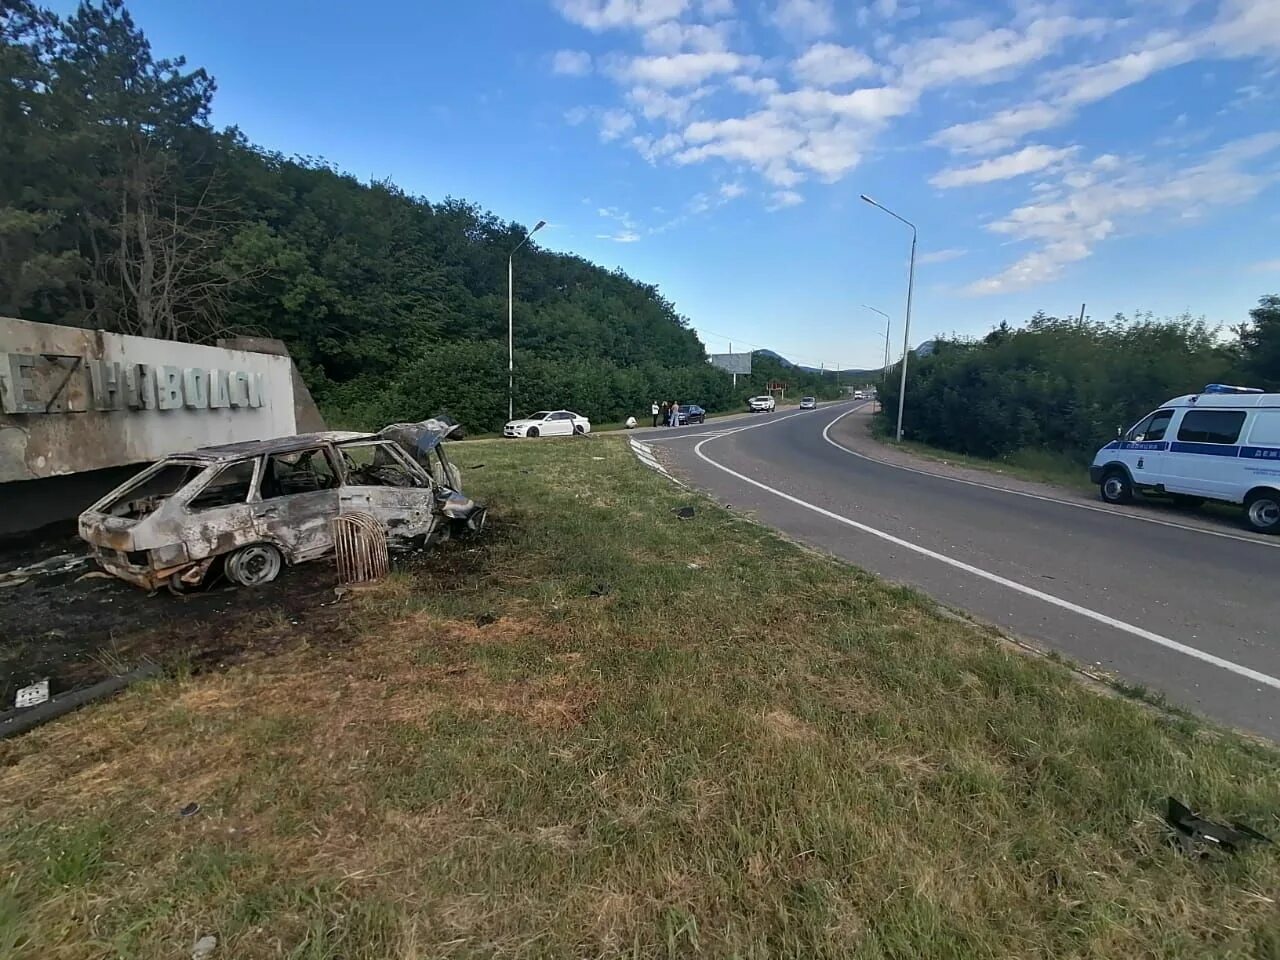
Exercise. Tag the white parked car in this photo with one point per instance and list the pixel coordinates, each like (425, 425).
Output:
(548, 423)
(859, 394)
(1220, 444)
(808, 403)
(761, 404)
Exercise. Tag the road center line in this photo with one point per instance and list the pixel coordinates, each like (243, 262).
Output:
(826, 435)
(1134, 630)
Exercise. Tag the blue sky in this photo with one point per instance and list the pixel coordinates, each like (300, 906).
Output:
(1125, 154)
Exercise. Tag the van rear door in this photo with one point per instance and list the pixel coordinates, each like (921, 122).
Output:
(1203, 457)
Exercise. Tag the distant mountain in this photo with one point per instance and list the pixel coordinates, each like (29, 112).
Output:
(779, 358)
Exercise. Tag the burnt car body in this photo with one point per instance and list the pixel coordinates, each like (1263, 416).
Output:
(261, 504)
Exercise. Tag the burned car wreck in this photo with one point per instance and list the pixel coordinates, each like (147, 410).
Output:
(251, 508)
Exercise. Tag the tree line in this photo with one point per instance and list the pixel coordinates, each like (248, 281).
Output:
(1064, 385)
(122, 208)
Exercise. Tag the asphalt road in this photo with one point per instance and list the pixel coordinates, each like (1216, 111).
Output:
(1188, 611)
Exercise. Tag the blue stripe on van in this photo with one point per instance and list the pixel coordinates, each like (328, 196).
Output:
(1205, 449)
(1260, 453)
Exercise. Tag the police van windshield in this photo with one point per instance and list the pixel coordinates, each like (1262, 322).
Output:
(1150, 428)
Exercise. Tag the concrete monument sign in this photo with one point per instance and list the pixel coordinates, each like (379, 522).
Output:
(73, 400)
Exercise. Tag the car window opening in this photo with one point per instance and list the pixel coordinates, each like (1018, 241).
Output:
(150, 490)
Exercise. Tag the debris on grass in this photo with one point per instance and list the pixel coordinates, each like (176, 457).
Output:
(32, 696)
(1197, 836)
(685, 513)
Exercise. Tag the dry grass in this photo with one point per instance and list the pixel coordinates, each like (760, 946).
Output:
(771, 755)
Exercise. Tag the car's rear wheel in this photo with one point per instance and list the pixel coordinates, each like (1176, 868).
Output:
(254, 565)
(1262, 511)
(1115, 487)
(532, 432)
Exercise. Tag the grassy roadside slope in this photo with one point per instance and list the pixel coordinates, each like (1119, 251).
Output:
(579, 745)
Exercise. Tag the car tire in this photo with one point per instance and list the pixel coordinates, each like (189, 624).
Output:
(532, 432)
(1262, 511)
(579, 429)
(254, 565)
(1187, 502)
(1115, 487)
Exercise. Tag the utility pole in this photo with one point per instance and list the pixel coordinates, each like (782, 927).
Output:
(511, 310)
(906, 332)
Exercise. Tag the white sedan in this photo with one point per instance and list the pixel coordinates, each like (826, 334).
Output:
(762, 403)
(548, 423)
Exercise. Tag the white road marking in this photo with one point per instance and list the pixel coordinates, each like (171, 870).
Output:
(1166, 642)
(826, 435)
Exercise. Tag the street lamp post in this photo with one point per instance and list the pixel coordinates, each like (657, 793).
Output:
(885, 375)
(906, 333)
(511, 309)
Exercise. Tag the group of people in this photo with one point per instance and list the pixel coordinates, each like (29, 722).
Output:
(669, 412)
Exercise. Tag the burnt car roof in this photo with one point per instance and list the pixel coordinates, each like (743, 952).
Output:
(253, 448)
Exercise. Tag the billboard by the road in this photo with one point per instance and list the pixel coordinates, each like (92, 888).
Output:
(732, 362)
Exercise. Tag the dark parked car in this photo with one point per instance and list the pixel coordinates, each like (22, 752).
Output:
(691, 413)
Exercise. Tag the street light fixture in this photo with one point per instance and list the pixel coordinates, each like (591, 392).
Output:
(886, 339)
(906, 333)
(511, 308)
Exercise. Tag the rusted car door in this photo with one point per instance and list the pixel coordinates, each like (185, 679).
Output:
(297, 501)
(380, 479)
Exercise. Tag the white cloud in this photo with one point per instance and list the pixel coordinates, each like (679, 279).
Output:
(1000, 130)
(1027, 160)
(763, 140)
(731, 191)
(1065, 224)
(1265, 266)
(870, 104)
(615, 123)
(827, 64)
(1089, 84)
(987, 56)
(784, 198)
(716, 8)
(805, 18)
(626, 232)
(571, 63)
(601, 15)
(683, 69)
(941, 256)
(832, 153)
(1246, 28)
(654, 150)
(657, 104)
(576, 115)
(757, 86)
(673, 36)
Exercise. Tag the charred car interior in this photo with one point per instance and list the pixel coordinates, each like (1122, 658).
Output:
(253, 508)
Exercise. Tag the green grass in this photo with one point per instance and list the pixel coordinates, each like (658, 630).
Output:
(1034, 464)
(770, 754)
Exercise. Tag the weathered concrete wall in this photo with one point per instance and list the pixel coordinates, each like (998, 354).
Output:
(73, 400)
(305, 412)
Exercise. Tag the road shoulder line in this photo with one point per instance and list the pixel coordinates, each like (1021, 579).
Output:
(826, 435)
(1168, 643)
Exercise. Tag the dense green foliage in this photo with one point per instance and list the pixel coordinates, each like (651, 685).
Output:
(1064, 386)
(122, 208)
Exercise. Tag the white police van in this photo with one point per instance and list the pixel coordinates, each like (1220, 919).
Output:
(1220, 444)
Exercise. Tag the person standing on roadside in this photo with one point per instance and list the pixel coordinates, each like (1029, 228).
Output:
(666, 415)
(654, 411)
(675, 413)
